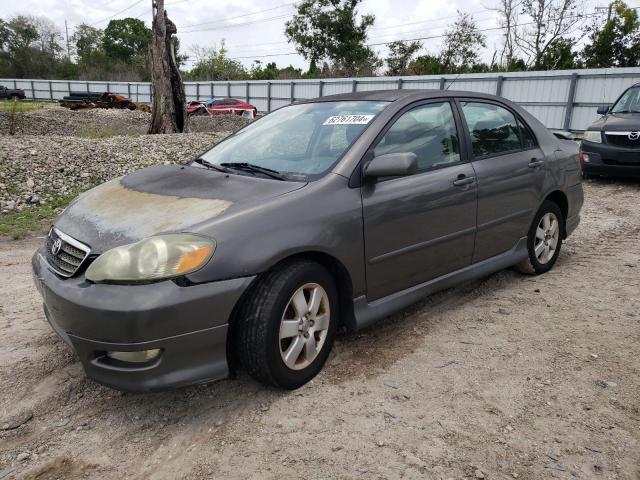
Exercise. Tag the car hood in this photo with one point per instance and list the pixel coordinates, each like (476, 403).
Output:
(616, 122)
(162, 199)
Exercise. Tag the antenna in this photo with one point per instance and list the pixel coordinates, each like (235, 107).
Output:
(453, 81)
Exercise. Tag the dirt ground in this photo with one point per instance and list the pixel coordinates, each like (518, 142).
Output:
(509, 377)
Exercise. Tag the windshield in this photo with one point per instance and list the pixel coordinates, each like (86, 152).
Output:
(629, 102)
(299, 141)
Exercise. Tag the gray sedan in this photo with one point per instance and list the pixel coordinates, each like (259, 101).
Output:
(330, 213)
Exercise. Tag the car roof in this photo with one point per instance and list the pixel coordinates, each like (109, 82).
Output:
(393, 95)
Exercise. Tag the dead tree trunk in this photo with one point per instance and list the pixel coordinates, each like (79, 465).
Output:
(168, 114)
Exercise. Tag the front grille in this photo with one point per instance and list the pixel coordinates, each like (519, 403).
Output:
(64, 254)
(623, 139)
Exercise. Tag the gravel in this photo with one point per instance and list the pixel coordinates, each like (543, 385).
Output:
(52, 160)
(97, 122)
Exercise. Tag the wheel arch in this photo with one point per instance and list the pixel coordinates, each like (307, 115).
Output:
(338, 271)
(560, 198)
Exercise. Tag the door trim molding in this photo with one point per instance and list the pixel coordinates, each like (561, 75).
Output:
(421, 245)
(367, 313)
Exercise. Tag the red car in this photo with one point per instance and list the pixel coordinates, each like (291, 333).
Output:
(221, 106)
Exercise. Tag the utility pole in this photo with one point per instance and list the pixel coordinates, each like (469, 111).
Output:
(66, 29)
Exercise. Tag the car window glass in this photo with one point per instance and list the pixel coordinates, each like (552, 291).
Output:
(429, 131)
(528, 141)
(493, 129)
(629, 102)
(301, 140)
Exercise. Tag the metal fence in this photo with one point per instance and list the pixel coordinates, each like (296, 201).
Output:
(564, 99)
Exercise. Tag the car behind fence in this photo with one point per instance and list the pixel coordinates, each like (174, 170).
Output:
(563, 99)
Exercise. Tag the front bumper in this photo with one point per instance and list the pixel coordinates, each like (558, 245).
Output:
(188, 324)
(605, 160)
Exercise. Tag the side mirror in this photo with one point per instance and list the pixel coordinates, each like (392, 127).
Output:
(392, 165)
(603, 109)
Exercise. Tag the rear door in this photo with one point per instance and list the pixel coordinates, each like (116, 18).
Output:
(510, 171)
(421, 226)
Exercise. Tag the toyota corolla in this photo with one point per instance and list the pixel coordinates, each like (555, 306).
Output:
(330, 213)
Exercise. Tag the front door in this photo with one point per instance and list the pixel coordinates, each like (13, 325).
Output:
(419, 227)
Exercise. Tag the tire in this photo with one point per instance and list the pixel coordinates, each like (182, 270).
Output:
(547, 240)
(271, 329)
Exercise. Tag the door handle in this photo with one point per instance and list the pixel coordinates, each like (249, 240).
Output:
(535, 163)
(463, 180)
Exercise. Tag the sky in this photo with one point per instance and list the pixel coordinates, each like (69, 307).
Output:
(254, 30)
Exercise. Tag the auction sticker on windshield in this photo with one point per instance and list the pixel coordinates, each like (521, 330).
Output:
(348, 120)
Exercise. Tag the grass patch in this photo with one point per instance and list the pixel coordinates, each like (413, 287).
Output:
(36, 219)
(94, 132)
(21, 106)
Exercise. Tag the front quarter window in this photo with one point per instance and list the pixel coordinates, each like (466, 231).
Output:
(301, 141)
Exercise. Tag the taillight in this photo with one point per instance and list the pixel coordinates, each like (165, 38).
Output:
(581, 157)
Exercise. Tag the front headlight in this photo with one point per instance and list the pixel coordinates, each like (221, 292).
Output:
(151, 259)
(594, 136)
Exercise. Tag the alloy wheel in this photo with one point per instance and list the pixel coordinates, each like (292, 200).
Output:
(304, 326)
(547, 238)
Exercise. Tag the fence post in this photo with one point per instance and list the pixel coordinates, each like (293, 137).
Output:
(228, 89)
(137, 92)
(129, 90)
(87, 87)
(399, 84)
(108, 87)
(354, 86)
(499, 86)
(292, 93)
(197, 91)
(268, 97)
(442, 83)
(570, 101)
(211, 89)
(15, 84)
(69, 87)
(320, 88)
(33, 91)
(50, 91)
(247, 93)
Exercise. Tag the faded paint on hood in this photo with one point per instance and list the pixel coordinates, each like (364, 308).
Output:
(112, 208)
(161, 199)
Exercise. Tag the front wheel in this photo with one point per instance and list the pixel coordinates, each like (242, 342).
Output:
(544, 240)
(287, 325)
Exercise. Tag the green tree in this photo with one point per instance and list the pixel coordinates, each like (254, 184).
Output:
(559, 55)
(329, 30)
(550, 20)
(428, 65)
(616, 43)
(462, 43)
(125, 38)
(87, 41)
(214, 64)
(401, 55)
(268, 72)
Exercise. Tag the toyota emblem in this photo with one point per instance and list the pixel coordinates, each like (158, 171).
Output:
(634, 135)
(56, 247)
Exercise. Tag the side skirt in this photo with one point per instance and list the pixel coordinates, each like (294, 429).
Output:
(367, 313)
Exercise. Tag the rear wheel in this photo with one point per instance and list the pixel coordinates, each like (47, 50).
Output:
(544, 240)
(287, 325)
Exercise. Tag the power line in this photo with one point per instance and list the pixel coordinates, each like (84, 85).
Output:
(240, 16)
(430, 37)
(118, 13)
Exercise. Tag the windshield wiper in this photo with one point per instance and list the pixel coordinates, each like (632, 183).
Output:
(213, 166)
(250, 167)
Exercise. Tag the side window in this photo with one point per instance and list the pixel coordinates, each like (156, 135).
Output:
(528, 140)
(493, 129)
(429, 131)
